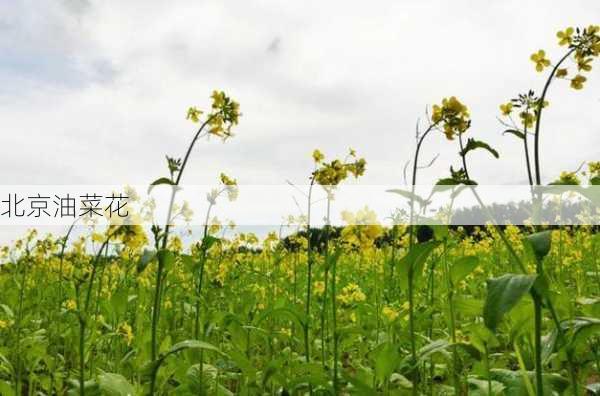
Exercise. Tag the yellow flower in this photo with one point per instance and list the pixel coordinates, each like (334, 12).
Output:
(318, 156)
(286, 331)
(565, 37)
(560, 73)
(539, 58)
(70, 305)
(351, 293)
(577, 82)
(126, 332)
(593, 29)
(226, 113)
(453, 114)
(193, 114)
(569, 178)
(319, 288)
(594, 168)
(231, 186)
(3, 324)
(390, 313)
(527, 119)
(584, 64)
(506, 108)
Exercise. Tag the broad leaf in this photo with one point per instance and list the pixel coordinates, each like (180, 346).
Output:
(415, 259)
(159, 181)
(112, 384)
(541, 243)
(410, 196)
(503, 294)
(473, 144)
(518, 134)
(462, 268)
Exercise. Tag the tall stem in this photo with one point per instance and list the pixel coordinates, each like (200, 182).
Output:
(534, 293)
(411, 230)
(161, 264)
(526, 149)
(463, 155)
(540, 106)
(308, 275)
(334, 324)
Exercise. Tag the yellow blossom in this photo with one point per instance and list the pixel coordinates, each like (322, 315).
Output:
(577, 82)
(390, 313)
(319, 288)
(193, 114)
(560, 73)
(318, 156)
(126, 332)
(565, 37)
(539, 58)
(506, 108)
(70, 305)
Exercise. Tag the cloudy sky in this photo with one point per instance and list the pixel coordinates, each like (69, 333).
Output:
(96, 91)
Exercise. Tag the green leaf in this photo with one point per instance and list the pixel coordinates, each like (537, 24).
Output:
(90, 387)
(159, 181)
(146, 258)
(410, 196)
(437, 346)
(448, 181)
(515, 384)
(112, 384)
(190, 344)
(415, 259)
(480, 387)
(152, 366)
(541, 243)
(468, 306)
(208, 241)
(358, 386)
(595, 181)
(243, 363)
(473, 144)
(6, 388)
(503, 294)
(518, 134)
(462, 268)
(166, 258)
(284, 312)
(387, 358)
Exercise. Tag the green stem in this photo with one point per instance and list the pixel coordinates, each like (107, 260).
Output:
(540, 106)
(308, 278)
(334, 324)
(411, 237)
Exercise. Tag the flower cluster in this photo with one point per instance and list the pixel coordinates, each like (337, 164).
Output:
(363, 228)
(567, 178)
(453, 116)
(229, 185)
(527, 105)
(336, 171)
(594, 169)
(351, 294)
(390, 313)
(125, 331)
(583, 43)
(224, 115)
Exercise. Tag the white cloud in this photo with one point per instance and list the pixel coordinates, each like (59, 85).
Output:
(96, 92)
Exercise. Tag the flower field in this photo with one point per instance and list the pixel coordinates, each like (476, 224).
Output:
(363, 309)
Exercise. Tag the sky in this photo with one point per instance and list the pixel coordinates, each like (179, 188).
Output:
(96, 92)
